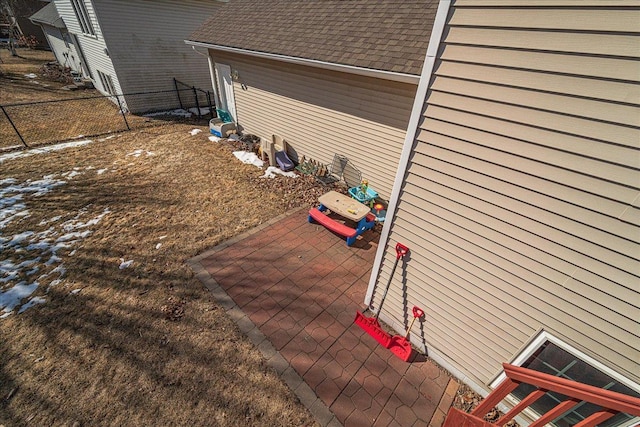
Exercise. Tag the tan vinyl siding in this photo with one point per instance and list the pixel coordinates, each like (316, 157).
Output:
(146, 44)
(521, 199)
(321, 113)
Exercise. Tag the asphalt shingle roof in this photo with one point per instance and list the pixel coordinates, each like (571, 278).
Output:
(389, 35)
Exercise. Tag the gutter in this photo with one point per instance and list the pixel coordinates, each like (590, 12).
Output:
(368, 72)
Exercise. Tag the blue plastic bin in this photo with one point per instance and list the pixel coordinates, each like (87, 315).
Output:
(356, 193)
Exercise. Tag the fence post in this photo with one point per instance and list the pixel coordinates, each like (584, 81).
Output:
(210, 106)
(175, 84)
(14, 126)
(124, 116)
(195, 94)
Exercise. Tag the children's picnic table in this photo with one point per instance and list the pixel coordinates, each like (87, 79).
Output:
(347, 208)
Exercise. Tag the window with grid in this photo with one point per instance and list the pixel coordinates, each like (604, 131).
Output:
(552, 359)
(80, 8)
(107, 83)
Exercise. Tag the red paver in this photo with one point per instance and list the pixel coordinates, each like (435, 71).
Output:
(301, 285)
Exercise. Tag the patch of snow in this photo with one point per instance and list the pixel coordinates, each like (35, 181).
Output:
(214, 138)
(11, 298)
(203, 110)
(125, 264)
(178, 112)
(33, 301)
(75, 291)
(162, 237)
(139, 152)
(31, 76)
(272, 171)
(101, 171)
(54, 283)
(248, 158)
(108, 138)
(43, 150)
(19, 248)
(195, 131)
(71, 174)
(158, 245)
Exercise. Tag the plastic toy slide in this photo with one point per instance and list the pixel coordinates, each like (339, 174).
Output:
(284, 162)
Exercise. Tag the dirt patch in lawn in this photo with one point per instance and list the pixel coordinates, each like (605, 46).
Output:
(119, 331)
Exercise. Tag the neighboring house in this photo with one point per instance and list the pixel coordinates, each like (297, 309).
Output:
(59, 39)
(518, 194)
(329, 76)
(132, 46)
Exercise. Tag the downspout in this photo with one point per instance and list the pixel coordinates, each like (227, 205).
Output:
(421, 94)
(212, 73)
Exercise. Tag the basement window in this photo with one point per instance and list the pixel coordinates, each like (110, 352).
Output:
(552, 356)
(82, 14)
(107, 83)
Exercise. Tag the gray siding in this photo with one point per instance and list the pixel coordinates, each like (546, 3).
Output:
(146, 44)
(321, 113)
(521, 199)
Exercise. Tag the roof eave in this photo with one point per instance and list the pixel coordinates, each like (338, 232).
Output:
(369, 72)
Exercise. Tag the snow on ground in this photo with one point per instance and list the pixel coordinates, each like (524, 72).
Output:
(272, 171)
(178, 112)
(49, 148)
(140, 152)
(248, 158)
(203, 110)
(34, 258)
(195, 131)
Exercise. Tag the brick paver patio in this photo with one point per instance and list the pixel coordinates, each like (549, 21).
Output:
(294, 288)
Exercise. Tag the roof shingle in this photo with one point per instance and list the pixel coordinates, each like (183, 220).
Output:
(388, 35)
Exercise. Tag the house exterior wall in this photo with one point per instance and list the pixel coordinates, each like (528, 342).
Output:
(146, 44)
(321, 113)
(94, 47)
(520, 201)
(64, 52)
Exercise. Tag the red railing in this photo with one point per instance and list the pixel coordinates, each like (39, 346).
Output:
(611, 402)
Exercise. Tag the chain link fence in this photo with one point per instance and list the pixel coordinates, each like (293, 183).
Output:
(38, 123)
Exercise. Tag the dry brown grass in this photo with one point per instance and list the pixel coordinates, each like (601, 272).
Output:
(47, 122)
(16, 88)
(145, 345)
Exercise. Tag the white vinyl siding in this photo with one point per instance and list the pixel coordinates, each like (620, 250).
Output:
(82, 15)
(146, 45)
(521, 199)
(93, 47)
(322, 113)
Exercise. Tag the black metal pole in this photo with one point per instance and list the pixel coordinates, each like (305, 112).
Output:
(14, 126)
(195, 94)
(210, 106)
(124, 116)
(175, 84)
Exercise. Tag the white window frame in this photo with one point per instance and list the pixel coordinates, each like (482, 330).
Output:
(535, 344)
(107, 83)
(82, 14)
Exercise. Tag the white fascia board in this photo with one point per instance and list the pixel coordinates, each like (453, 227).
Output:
(412, 128)
(369, 72)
